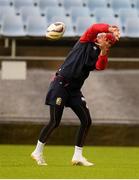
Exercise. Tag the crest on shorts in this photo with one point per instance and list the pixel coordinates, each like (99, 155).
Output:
(58, 101)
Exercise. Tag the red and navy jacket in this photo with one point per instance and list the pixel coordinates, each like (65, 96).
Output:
(83, 58)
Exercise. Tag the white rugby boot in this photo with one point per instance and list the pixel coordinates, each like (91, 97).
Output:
(39, 159)
(81, 161)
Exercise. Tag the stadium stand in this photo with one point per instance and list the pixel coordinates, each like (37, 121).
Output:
(102, 10)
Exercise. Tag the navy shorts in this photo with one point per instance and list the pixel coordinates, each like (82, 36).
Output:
(60, 95)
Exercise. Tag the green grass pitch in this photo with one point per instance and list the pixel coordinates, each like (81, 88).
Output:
(110, 162)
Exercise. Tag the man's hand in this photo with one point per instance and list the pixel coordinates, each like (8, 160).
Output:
(104, 44)
(116, 31)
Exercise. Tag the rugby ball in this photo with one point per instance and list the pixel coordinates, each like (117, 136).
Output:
(55, 30)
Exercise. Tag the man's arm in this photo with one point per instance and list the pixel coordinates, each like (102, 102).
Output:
(102, 62)
(91, 33)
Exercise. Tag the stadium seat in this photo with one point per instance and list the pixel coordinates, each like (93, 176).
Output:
(50, 12)
(117, 4)
(92, 4)
(6, 2)
(18, 4)
(132, 27)
(83, 23)
(36, 26)
(69, 4)
(79, 12)
(4, 10)
(110, 20)
(127, 13)
(26, 12)
(60, 2)
(43, 4)
(103, 12)
(135, 4)
(12, 26)
(69, 32)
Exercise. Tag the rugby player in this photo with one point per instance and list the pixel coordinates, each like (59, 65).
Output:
(88, 54)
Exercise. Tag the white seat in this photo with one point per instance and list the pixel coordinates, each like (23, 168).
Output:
(135, 3)
(125, 13)
(26, 12)
(103, 12)
(5, 2)
(92, 4)
(36, 26)
(69, 4)
(4, 10)
(132, 27)
(12, 26)
(83, 23)
(50, 12)
(18, 4)
(117, 4)
(43, 4)
(79, 12)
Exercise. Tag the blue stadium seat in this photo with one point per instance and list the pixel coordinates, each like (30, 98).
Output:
(110, 20)
(43, 4)
(18, 4)
(132, 27)
(127, 13)
(117, 4)
(103, 12)
(60, 2)
(136, 4)
(50, 12)
(36, 26)
(26, 12)
(69, 4)
(92, 4)
(4, 10)
(68, 22)
(6, 2)
(83, 23)
(79, 12)
(12, 26)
